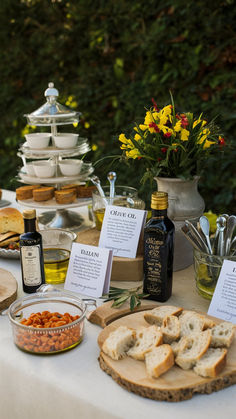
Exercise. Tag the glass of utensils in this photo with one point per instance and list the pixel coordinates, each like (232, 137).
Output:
(57, 245)
(125, 196)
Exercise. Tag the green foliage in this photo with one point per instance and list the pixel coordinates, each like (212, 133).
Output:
(112, 57)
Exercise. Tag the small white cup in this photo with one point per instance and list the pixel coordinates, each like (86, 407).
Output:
(30, 169)
(44, 169)
(70, 167)
(38, 140)
(65, 140)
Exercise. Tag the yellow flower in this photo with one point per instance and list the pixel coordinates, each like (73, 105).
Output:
(133, 153)
(177, 126)
(137, 137)
(123, 139)
(208, 144)
(184, 134)
(148, 118)
(143, 127)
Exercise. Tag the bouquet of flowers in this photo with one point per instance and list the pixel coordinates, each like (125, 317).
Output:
(172, 144)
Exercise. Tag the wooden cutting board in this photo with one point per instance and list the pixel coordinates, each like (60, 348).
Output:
(8, 289)
(173, 386)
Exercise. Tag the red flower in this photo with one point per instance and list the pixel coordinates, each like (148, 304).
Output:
(167, 135)
(221, 142)
(164, 149)
(184, 120)
(155, 105)
(159, 158)
(154, 125)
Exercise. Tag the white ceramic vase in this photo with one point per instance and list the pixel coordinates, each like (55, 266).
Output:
(185, 203)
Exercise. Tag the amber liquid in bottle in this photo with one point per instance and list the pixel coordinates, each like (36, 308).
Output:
(158, 250)
(31, 254)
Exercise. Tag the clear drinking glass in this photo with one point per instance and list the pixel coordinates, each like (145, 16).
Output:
(207, 270)
(57, 245)
(125, 196)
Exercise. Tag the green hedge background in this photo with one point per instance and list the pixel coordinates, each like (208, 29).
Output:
(108, 58)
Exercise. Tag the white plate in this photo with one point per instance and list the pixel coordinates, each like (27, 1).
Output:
(9, 254)
(52, 204)
(81, 148)
(82, 176)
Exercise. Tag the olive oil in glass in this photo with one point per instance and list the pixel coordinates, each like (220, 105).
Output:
(31, 254)
(158, 250)
(56, 263)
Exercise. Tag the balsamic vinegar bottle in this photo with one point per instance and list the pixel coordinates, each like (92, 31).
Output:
(158, 250)
(31, 254)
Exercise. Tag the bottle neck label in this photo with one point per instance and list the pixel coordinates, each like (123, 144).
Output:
(30, 262)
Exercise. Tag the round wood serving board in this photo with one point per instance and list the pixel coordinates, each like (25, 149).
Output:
(8, 289)
(175, 385)
(123, 269)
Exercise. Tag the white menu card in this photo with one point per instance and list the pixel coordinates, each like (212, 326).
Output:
(89, 270)
(121, 230)
(223, 303)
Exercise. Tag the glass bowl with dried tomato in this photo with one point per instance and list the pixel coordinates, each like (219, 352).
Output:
(48, 321)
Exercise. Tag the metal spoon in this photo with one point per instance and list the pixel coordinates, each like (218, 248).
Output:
(205, 226)
(197, 237)
(231, 224)
(96, 181)
(112, 179)
(221, 225)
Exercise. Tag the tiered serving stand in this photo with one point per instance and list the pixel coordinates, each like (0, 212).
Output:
(53, 114)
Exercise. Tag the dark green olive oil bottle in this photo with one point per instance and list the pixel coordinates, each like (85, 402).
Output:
(158, 250)
(31, 254)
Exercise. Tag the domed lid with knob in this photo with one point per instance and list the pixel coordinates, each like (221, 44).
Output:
(52, 112)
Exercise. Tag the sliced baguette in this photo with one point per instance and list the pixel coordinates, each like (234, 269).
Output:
(146, 339)
(191, 322)
(187, 358)
(170, 329)
(118, 342)
(159, 360)
(157, 315)
(184, 343)
(222, 335)
(212, 362)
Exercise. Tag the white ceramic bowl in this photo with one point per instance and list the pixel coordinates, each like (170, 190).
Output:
(38, 140)
(30, 169)
(44, 169)
(70, 167)
(65, 140)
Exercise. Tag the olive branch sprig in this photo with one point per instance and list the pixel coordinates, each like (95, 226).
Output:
(121, 295)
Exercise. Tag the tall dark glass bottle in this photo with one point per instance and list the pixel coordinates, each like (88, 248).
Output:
(158, 250)
(31, 254)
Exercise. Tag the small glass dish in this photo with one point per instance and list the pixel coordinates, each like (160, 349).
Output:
(48, 340)
(207, 270)
(125, 196)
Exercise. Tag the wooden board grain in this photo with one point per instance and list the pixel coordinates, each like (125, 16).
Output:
(173, 386)
(8, 289)
(106, 314)
(123, 269)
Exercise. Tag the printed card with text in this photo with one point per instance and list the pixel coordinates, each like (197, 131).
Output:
(121, 230)
(89, 270)
(223, 303)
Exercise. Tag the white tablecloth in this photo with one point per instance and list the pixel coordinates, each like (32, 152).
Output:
(72, 385)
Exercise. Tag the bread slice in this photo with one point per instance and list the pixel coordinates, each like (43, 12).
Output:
(184, 343)
(170, 329)
(212, 362)
(157, 315)
(222, 334)
(191, 322)
(146, 339)
(187, 358)
(11, 220)
(159, 360)
(118, 342)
